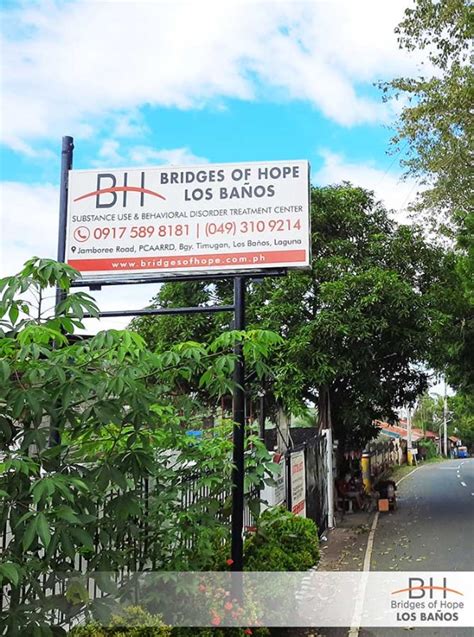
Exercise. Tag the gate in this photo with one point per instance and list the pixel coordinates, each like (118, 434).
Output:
(316, 475)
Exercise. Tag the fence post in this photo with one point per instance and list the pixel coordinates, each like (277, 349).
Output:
(365, 466)
(330, 478)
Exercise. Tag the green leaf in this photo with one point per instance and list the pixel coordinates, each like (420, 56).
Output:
(274, 467)
(18, 405)
(66, 513)
(39, 490)
(42, 528)
(4, 371)
(118, 477)
(67, 545)
(11, 572)
(30, 535)
(83, 537)
(13, 314)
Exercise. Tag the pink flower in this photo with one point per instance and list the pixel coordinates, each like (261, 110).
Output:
(228, 606)
(229, 562)
(216, 620)
(248, 631)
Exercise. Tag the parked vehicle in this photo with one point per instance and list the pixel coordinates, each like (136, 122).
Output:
(463, 452)
(387, 489)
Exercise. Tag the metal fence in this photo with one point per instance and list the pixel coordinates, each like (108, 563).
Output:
(384, 454)
(316, 477)
(191, 493)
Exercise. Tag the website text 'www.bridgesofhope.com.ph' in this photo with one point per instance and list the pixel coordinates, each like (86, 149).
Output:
(255, 259)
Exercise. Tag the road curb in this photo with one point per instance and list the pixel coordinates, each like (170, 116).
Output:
(408, 474)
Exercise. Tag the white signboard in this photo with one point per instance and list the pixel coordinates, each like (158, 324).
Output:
(298, 483)
(276, 494)
(280, 479)
(151, 222)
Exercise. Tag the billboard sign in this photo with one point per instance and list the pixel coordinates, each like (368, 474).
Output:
(298, 483)
(167, 220)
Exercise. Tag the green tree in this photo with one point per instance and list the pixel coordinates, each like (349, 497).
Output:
(435, 124)
(428, 414)
(451, 350)
(95, 456)
(461, 407)
(435, 129)
(358, 325)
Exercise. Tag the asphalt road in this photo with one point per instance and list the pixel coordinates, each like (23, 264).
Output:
(432, 529)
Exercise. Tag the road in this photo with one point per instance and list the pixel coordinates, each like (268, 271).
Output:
(433, 529)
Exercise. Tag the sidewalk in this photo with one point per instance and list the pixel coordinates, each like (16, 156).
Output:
(342, 549)
(344, 546)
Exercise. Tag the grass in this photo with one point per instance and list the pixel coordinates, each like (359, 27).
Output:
(437, 459)
(397, 472)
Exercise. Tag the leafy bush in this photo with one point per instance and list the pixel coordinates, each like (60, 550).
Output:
(133, 622)
(111, 487)
(282, 542)
(428, 449)
(219, 632)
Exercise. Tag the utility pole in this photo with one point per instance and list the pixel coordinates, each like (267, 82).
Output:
(409, 443)
(445, 420)
(330, 478)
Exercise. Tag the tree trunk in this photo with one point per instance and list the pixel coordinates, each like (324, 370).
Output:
(324, 408)
(283, 430)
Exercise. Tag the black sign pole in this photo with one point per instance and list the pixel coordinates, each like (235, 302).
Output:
(239, 432)
(66, 165)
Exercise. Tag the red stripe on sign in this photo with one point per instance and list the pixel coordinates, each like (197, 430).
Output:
(298, 507)
(120, 189)
(193, 261)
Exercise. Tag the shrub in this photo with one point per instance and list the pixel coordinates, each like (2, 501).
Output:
(154, 628)
(428, 449)
(282, 542)
(219, 632)
(84, 494)
(133, 622)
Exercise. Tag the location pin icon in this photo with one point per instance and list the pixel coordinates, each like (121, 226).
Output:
(73, 248)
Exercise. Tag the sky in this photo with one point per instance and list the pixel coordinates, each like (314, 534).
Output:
(150, 83)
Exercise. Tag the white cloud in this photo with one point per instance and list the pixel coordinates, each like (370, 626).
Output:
(175, 156)
(130, 124)
(29, 223)
(387, 184)
(73, 66)
(111, 154)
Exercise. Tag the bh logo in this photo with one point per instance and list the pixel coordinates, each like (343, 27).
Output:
(106, 193)
(418, 588)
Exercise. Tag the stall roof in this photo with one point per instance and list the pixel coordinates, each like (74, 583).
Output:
(396, 432)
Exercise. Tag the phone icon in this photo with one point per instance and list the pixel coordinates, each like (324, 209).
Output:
(81, 234)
